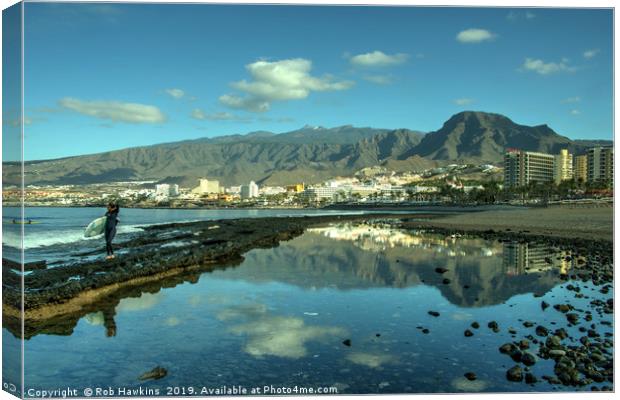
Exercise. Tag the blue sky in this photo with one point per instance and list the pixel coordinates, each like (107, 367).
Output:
(107, 76)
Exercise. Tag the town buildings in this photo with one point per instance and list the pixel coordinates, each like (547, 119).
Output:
(580, 168)
(249, 191)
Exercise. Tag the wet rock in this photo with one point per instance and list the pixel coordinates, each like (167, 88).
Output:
(475, 325)
(528, 358)
(541, 331)
(553, 342)
(556, 353)
(530, 378)
(433, 313)
(425, 331)
(524, 344)
(572, 318)
(446, 281)
(468, 333)
(347, 342)
(515, 374)
(544, 305)
(507, 348)
(441, 270)
(155, 373)
(512, 331)
(470, 376)
(528, 324)
(493, 326)
(563, 308)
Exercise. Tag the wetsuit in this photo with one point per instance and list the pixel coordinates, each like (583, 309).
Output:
(110, 230)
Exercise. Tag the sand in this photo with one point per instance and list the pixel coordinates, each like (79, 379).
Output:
(585, 222)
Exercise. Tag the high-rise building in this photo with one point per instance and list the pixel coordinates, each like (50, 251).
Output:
(580, 168)
(601, 164)
(207, 186)
(563, 167)
(522, 167)
(249, 191)
(164, 190)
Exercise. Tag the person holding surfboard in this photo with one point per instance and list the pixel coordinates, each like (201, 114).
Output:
(110, 228)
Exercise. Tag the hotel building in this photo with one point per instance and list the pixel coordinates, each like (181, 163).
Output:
(522, 167)
(563, 168)
(600, 164)
(580, 168)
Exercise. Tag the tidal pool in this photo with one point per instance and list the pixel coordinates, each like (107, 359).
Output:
(280, 319)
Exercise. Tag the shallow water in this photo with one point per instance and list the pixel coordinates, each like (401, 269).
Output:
(280, 317)
(58, 232)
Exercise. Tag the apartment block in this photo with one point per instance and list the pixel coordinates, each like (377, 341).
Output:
(563, 167)
(580, 168)
(522, 167)
(600, 164)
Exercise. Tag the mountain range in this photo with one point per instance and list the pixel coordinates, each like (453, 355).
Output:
(310, 154)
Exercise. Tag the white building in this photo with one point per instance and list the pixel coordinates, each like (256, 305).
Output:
(206, 186)
(164, 191)
(249, 191)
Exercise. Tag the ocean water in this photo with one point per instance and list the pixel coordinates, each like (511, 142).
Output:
(282, 317)
(58, 232)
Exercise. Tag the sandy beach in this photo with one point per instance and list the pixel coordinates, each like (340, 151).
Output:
(584, 222)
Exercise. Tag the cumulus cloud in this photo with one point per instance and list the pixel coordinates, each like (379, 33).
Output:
(379, 79)
(378, 59)
(575, 112)
(176, 93)
(284, 337)
(279, 81)
(115, 110)
(463, 101)
(546, 68)
(474, 35)
(590, 53)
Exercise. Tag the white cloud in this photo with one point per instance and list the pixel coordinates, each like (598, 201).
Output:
(575, 112)
(379, 79)
(198, 114)
(591, 53)
(115, 110)
(378, 59)
(574, 99)
(279, 81)
(546, 68)
(474, 35)
(463, 101)
(176, 93)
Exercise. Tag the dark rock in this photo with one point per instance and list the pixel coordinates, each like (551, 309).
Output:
(528, 358)
(572, 318)
(528, 324)
(515, 374)
(425, 331)
(554, 342)
(468, 333)
(446, 281)
(347, 342)
(433, 313)
(155, 373)
(470, 376)
(440, 270)
(475, 325)
(524, 344)
(530, 378)
(541, 331)
(493, 326)
(564, 308)
(544, 305)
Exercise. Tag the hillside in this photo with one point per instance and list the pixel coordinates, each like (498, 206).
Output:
(310, 154)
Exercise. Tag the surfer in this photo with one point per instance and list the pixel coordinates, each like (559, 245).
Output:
(110, 228)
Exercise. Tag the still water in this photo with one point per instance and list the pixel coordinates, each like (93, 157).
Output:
(281, 316)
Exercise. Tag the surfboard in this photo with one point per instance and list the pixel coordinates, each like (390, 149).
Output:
(95, 228)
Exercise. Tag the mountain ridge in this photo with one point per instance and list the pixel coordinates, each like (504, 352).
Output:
(310, 154)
